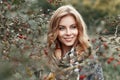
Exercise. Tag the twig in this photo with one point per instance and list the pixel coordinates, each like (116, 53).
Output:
(116, 30)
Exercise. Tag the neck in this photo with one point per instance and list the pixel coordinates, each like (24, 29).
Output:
(65, 49)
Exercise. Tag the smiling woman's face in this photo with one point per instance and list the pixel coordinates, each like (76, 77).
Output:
(68, 32)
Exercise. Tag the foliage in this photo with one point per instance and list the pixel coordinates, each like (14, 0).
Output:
(23, 29)
(95, 11)
(21, 39)
(112, 25)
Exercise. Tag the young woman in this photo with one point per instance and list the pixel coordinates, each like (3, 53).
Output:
(69, 45)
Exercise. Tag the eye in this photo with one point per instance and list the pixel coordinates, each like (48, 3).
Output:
(73, 26)
(61, 27)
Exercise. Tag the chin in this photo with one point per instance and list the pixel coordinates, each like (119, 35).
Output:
(69, 44)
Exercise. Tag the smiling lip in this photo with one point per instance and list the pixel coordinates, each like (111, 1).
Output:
(68, 39)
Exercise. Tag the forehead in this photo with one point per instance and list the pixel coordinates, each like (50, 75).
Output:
(68, 19)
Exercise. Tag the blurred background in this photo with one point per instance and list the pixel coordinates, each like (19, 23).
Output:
(23, 30)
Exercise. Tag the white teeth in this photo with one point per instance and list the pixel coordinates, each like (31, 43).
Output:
(68, 38)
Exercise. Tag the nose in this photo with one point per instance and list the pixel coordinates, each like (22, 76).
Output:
(68, 32)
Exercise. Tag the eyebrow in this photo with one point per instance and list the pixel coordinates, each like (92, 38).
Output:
(70, 25)
(61, 25)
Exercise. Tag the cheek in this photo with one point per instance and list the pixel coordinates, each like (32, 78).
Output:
(60, 33)
(59, 38)
(76, 33)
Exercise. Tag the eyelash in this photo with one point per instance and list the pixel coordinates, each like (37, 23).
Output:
(72, 27)
(61, 27)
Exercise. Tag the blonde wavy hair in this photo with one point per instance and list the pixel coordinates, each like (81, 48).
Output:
(54, 22)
